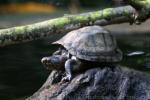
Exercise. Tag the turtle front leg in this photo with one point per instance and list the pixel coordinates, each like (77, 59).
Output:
(70, 64)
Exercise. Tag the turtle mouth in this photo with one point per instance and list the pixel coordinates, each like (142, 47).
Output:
(47, 61)
(51, 62)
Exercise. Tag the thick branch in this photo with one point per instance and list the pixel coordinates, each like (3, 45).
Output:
(63, 24)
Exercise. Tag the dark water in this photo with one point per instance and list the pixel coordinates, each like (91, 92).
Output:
(133, 44)
(21, 73)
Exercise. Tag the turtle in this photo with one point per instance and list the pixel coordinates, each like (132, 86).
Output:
(83, 48)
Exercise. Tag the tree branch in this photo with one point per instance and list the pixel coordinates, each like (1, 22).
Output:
(64, 24)
(67, 23)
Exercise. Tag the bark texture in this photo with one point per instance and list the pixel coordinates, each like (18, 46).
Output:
(97, 84)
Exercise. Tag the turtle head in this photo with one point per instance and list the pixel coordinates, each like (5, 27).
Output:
(54, 62)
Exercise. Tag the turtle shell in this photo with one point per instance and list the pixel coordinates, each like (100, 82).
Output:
(91, 43)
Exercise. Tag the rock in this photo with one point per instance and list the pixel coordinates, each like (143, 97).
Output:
(106, 83)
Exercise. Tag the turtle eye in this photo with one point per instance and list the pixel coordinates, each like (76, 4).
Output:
(58, 52)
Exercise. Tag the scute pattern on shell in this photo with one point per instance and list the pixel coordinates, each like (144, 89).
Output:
(92, 43)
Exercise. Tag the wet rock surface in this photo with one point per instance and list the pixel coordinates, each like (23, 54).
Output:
(106, 83)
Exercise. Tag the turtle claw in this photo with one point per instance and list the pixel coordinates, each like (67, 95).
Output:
(66, 78)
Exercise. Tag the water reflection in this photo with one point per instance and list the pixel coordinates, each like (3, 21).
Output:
(135, 53)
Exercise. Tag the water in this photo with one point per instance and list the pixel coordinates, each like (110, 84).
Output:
(21, 72)
(133, 44)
